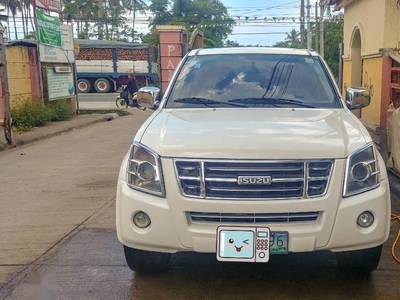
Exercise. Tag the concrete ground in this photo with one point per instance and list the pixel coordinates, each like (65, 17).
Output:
(58, 240)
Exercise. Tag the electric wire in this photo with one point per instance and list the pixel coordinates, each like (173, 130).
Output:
(396, 258)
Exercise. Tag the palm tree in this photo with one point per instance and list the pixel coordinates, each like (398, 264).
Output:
(293, 38)
(12, 6)
(28, 13)
(133, 6)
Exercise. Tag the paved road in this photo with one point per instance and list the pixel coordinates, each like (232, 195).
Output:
(57, 236)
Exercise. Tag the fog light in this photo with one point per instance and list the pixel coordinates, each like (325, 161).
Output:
(366, 219)
(141, 219)
(146, 171)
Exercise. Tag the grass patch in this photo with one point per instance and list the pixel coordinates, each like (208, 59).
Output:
(27, 115)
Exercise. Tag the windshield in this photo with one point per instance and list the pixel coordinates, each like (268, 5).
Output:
(252, 80)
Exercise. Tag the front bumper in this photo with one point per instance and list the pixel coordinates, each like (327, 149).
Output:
(172, 230)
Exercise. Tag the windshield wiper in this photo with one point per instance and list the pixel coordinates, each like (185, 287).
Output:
(271, 101)
(206, 102)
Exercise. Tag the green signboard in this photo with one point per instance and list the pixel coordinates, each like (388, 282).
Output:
(49, 29)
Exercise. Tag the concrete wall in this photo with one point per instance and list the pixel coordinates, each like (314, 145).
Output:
(392, 25)
(379, 28)
(366, 57)
(372, 81)
(35, 77)
(19, 74)
(2, 114)
(371, 23)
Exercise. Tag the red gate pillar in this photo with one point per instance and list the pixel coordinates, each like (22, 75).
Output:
(173, 46)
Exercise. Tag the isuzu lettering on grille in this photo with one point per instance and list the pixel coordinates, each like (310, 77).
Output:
(262, 180)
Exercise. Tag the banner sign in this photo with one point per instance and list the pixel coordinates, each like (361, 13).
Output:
(49, 29)
(65, 54)
(50, 5)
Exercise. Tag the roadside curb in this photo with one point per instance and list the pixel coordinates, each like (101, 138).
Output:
(58, 129)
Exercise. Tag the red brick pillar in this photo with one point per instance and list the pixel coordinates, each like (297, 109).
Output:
(173, 46)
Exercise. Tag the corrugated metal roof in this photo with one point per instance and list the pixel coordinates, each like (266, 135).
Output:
(24, 43)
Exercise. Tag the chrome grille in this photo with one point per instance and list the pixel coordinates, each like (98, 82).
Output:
(203, 217)
(283, 179)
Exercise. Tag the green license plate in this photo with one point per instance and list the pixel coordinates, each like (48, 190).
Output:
(278, 242)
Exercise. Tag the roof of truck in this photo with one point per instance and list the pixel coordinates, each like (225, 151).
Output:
(109, 44)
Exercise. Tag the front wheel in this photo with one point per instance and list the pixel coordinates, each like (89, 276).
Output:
(146, 262)
(359, 262)
(121, 103)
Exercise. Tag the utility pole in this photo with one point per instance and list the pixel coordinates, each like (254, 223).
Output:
(100, 16)
(134, 20)
(302, 24)
(316, 27)
(308, 25)
(321, 29)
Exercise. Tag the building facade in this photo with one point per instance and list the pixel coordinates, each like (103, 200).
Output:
(371, 59)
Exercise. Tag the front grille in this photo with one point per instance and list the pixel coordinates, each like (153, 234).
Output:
(202, 217)
(278, 179)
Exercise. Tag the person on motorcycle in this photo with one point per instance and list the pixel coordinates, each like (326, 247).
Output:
(131, 87)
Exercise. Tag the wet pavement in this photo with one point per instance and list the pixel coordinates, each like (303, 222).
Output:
(91, 265)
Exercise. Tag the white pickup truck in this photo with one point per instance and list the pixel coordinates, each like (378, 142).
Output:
(251, 153)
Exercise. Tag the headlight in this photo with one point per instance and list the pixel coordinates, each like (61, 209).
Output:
(362, 171)
(144, 170)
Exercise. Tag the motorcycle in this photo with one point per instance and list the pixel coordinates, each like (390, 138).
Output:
(122, 101)
(149, 97)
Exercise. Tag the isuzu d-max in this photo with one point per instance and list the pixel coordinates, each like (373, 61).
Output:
(252, 153)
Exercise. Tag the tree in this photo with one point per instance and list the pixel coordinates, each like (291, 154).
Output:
(210, 16)
(333, 36)
(133, 6)
(13, 6)
(108, 17)
(282, 45)
(293, 38)
(229, 43)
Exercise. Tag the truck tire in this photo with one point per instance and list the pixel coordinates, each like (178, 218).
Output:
(146, 262)
(359, 262)
(84, 86)
(102, 85)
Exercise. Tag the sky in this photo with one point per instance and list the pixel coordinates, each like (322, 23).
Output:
(267, 23)
(258, 22)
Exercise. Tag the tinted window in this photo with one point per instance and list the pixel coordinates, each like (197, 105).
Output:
(236, 76)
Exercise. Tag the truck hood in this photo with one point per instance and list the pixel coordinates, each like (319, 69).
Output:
(253, 133)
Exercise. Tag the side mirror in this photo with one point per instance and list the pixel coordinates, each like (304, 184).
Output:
(147, 97)
(357, 98)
